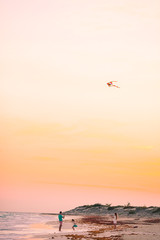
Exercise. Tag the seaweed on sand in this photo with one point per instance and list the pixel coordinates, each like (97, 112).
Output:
(96, 220)
(81, 237)
(155, 220)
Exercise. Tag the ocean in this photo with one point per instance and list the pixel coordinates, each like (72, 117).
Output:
(17, 225)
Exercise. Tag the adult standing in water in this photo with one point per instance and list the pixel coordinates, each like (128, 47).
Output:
(60, 217)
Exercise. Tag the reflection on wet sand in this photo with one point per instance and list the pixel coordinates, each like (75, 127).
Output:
(41, 226)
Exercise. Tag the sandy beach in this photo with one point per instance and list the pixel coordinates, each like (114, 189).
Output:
(101, 227)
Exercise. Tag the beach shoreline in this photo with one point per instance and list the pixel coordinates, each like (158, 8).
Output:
(101, 227)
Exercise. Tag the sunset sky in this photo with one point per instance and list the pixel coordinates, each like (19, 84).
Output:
(66, 138)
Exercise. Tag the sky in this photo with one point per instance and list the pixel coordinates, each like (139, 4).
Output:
(66, 138)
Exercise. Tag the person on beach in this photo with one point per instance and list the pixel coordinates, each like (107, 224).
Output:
(74, 224)
(60, 217)
(115, 220)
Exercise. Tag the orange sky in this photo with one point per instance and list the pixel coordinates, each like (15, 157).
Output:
(66, 138)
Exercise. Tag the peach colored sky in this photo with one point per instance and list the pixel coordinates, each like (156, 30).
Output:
(66, 138)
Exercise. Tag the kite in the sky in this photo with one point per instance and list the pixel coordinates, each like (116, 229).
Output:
(110, 84)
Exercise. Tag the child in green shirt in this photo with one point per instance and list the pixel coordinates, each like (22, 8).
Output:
(74, 224)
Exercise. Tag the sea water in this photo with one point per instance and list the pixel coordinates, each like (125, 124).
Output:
(15, 225)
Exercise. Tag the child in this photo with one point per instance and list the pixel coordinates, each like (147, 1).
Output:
(74, 224)
(115, 220)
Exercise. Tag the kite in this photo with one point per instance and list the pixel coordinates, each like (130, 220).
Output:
(110, 84)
